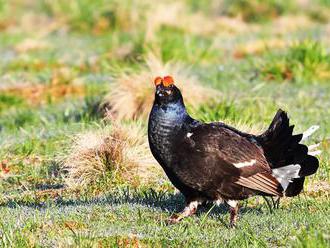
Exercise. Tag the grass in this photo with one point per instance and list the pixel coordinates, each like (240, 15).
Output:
(304, 61)
(75, 71)
(257, 11)
(142, 221)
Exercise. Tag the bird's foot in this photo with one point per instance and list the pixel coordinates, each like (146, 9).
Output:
(232, 225)
(189, 210)
(174, 219)
(233, 221)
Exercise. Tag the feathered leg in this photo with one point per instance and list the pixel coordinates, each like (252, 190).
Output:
(190, 209)
(233, 208)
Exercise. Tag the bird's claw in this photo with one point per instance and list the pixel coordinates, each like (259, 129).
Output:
(174, 219)
(232, 225)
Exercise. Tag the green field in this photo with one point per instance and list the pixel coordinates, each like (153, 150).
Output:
(75, 92)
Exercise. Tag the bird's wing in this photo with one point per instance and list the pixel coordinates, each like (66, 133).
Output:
(229, 154)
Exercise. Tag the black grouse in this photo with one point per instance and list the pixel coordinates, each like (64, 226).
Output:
(216, 162)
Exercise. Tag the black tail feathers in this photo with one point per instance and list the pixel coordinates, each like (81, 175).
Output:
(282, 148)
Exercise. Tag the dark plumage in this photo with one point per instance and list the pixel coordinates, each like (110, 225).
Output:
(216, 162)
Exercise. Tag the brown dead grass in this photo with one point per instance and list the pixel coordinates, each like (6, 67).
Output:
(31, 45)
(257, 47)
(290, 23)
(318, 188)
(38, 24)
(62, 85)
(132, 94)
(121, 150)
(232, 26)
(41, 94)
(178, 15)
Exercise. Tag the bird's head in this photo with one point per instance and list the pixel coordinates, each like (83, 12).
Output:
(166, 91)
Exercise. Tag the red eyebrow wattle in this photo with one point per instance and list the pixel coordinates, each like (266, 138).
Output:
(168, 80)
(158, 80)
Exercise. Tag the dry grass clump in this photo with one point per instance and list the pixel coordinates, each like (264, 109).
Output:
(132, 94)
(120, 151)
(31, 45)
(179, 15)
(290, 23)
(318, 188)
(63, 83)
(23, 16)
(235, 25)
(36, 94)
(258, 47)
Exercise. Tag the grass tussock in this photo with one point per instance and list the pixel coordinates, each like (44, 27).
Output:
(258, 47)
(119, 151)
(132, 94)
(306, 61)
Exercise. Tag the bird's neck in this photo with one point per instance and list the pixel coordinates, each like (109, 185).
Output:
(165, 123)
(168, 118)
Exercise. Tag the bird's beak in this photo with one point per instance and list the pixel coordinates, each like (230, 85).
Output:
(160, 90)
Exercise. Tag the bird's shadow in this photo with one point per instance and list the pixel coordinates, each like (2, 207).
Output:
(165, 201)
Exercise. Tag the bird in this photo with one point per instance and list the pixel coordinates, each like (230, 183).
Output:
(215, 162)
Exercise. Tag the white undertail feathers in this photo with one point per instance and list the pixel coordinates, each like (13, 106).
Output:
(309, 132)
(284, 175)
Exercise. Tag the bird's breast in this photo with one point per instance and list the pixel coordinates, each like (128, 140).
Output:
(164, 126)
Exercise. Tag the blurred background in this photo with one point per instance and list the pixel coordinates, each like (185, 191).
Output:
(76, 89)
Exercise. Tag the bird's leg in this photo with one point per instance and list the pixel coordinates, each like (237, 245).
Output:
(190, 209)
(233, 208)
(233, 216)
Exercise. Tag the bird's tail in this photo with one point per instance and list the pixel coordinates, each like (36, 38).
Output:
(290, 160)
